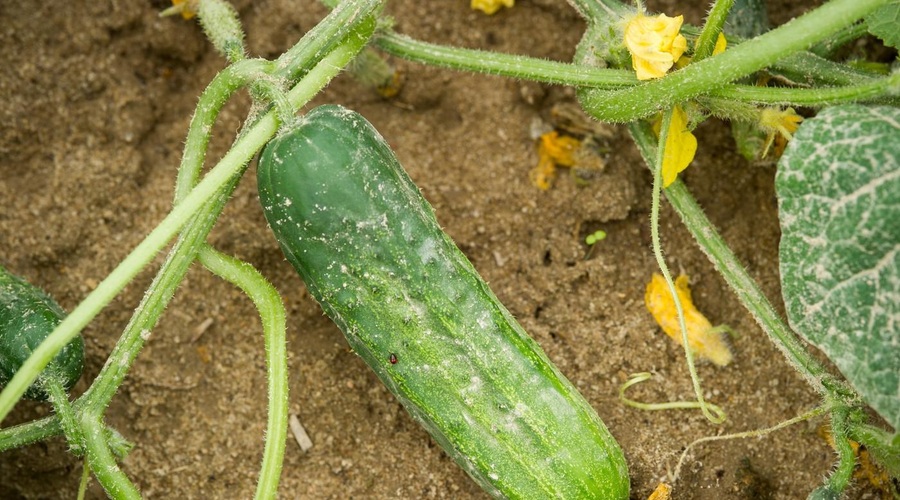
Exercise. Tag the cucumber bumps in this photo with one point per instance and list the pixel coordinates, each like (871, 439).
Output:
(411, 305)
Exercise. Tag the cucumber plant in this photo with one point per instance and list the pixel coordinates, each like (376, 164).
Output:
(411, 304)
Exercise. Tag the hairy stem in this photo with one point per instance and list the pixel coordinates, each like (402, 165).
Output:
(874, 89)
(664, 268)
(271, 311)
(29, 432)
(103, 462)
(552, 72)
(842, 475)
(66, 414)
(493, 63)
(241, 274)
(819, 410)
(217, 93)
(826, 47)
(322, 38)
(155, 300)
(706, 42)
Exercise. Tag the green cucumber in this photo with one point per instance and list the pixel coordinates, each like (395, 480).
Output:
(370, 250)
(27, 317)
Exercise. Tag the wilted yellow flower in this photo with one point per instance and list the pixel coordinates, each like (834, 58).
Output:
(491, 6)
(783, 122)
(655, 44)
(662, 492)
(553, 150)
(681, 146)
(706, 341)
(560, 148)
(543, 175)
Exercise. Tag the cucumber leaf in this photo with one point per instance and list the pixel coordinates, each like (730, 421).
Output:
(838, 187)
(884, 23)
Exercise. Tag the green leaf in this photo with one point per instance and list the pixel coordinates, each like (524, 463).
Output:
(838, 186)
(884, 23)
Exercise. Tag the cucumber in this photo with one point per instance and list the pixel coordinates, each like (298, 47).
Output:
(27, 317)
(370, 250)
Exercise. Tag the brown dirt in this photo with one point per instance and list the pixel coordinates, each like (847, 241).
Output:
(96, 101)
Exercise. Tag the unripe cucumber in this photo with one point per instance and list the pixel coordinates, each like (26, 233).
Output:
(370, 250)
(27, 317)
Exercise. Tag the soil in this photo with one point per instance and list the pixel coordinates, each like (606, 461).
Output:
(97, 97)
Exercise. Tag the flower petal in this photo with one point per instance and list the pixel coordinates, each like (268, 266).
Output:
(681, 146)
(705, 341)
(654, 40)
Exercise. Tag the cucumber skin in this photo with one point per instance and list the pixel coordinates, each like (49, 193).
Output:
(370, 250)
(27, 317)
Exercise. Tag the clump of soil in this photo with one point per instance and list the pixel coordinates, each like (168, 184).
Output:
(97, 100)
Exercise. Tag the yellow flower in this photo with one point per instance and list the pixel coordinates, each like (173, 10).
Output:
(681, 146)
(778, 121)
(721, 44)
(491, 6)
(784, 122)
(706, 341)
(655, 44)
(553, 150)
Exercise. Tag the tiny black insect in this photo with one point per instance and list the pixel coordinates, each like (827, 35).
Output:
(393, 359)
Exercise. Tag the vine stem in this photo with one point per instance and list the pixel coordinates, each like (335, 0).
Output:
(217, 93)
(155, 300)
(637, 378)
(826, 47)
(843, 473)
(812, 97)
(808, 68)
(241, 274)
(819, 410)
(561, 73)
(272, 314)
(293, 63)
(493, 63)
(85, 478)
(235, 160)
(243, 150)
(103, 462)
(66, 414)
(639, 101)
(664, 268)
(706, 42)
